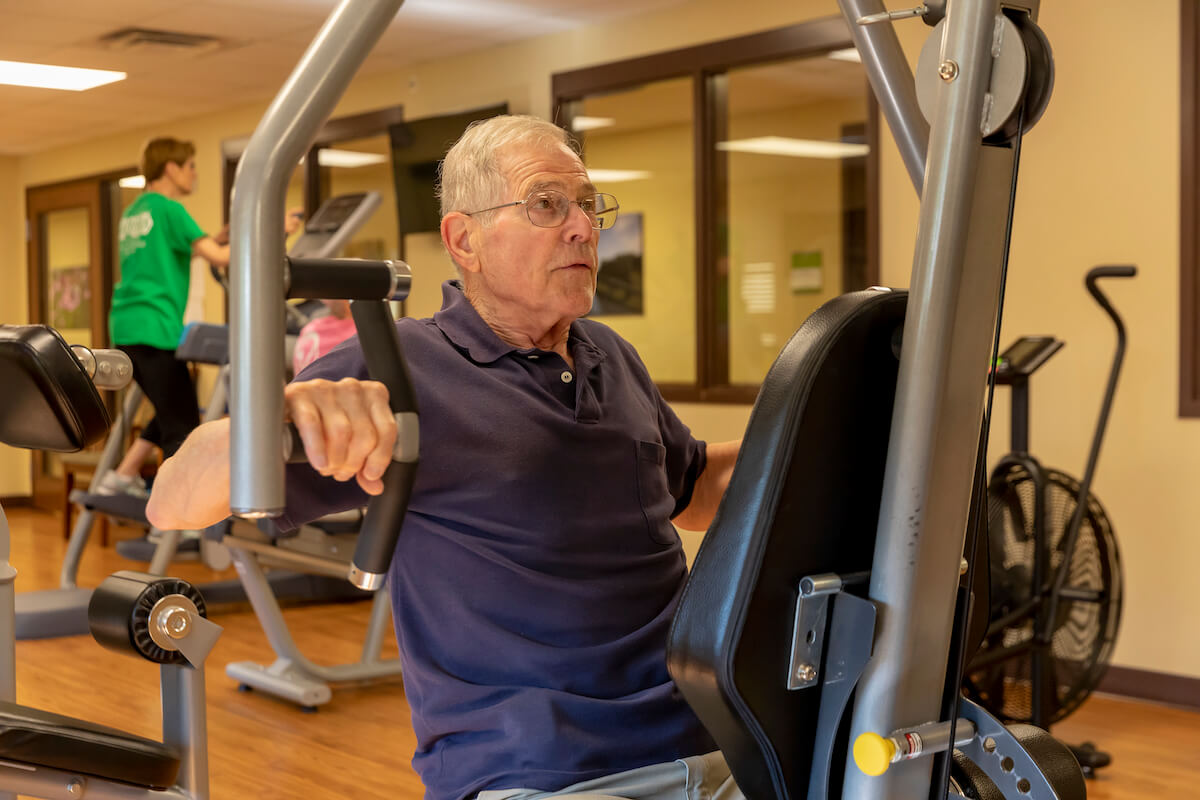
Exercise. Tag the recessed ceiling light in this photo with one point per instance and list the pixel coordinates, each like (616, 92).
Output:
(48, 76)
(591, 123)
(617, 175)
(133, 182)
(800, 148)
(329, 157)
(849, 54)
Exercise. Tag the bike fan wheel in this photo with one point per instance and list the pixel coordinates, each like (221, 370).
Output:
(1085, 626)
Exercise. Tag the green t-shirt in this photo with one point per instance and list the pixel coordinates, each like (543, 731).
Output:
(155, 247)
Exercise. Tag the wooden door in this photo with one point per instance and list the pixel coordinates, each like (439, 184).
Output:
(70, 283)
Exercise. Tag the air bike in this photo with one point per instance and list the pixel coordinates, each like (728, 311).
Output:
(822, 636)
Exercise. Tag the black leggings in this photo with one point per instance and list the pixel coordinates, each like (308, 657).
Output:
(167, 384)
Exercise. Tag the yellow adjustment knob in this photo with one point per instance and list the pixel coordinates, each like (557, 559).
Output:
(873, 753)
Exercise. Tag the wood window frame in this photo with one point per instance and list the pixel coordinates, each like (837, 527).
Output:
(706, 64)
(1189, 196)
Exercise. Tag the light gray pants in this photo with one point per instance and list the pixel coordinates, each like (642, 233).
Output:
(696, 778)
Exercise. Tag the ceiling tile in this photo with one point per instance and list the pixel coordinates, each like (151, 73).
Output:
(243, 24)
(113, 13)
(44, 28)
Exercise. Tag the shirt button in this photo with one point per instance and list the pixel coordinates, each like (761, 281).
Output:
(567, 377)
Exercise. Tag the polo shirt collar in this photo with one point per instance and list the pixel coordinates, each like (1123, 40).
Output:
(463, 326)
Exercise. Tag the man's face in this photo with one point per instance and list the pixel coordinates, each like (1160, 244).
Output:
(543, 275)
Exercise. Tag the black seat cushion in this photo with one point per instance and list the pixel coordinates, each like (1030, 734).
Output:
(803, 500)
(125, 506)
(30, 736)
(48, 401)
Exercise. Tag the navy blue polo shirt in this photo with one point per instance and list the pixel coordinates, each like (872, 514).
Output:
(537, 570)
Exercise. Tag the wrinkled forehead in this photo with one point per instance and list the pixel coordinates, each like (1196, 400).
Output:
(543, 165)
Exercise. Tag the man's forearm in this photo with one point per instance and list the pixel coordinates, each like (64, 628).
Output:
(710, 486)
(191, 490)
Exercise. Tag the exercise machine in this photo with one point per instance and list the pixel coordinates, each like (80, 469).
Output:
(822, 635)
(820, 613)
(51, 403)
(61, 612)
(1056, 582)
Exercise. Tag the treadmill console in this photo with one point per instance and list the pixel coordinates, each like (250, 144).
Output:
(332, 225)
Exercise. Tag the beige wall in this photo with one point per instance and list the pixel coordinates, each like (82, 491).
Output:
(14, 464)
(1099, 183)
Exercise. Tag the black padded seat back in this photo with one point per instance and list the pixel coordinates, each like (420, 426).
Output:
(47, 401)
(803, 500)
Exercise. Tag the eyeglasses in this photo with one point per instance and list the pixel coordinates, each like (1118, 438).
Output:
(548, 208)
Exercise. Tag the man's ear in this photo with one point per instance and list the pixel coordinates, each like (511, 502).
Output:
(458, 238)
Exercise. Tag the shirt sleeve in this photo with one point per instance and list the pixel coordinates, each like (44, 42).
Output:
(686, 455)
(182, 230)
(310, 495)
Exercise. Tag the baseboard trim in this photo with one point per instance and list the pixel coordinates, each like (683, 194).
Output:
(16, 501)
(1144, 684)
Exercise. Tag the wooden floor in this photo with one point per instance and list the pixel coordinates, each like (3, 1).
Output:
(359, 745)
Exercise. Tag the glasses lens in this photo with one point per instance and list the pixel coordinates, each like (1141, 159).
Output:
(604, 211)
(547, 208)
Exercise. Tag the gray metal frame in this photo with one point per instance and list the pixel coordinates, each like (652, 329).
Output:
(293, 676)
(953, 306)
(256, 317)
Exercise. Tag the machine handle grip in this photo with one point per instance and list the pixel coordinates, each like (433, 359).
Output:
(385, 511)
(348, 278)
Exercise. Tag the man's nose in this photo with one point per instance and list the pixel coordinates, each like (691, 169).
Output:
(577, 227)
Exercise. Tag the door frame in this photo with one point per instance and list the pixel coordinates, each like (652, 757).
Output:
(87, 192)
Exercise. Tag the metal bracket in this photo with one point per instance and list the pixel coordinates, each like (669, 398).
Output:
(808, 629)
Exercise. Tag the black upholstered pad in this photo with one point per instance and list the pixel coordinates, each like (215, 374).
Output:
(36, 737)
(47, 401)
(803, 500)
(125, 506)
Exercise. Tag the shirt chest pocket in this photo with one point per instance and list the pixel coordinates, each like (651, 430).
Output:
(654, 494)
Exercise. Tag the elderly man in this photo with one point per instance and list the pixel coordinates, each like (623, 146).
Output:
(537, 571)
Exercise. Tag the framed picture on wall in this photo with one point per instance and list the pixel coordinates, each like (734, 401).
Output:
(619, 284)
(71, 297)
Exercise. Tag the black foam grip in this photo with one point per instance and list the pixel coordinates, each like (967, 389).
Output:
(119, 613)
(383, 354)
(385, 513)
(296, 454)
(385, 363)
(339, 278)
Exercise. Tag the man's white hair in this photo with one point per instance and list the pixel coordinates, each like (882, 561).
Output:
(469, 177)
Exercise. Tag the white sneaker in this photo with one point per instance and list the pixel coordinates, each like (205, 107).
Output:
(115, 483)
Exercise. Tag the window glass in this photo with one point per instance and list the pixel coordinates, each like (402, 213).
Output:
(795, 165)
(638, 147)
(365, 165)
